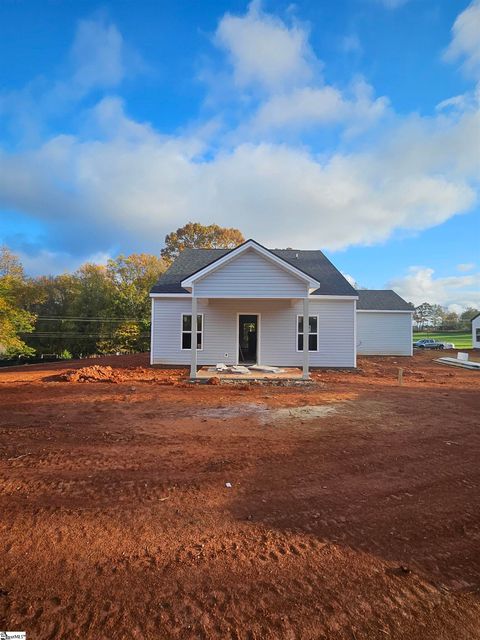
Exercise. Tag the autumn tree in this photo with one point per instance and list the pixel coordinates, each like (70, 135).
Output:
(15, 320)
(450, 320)
(198, 236)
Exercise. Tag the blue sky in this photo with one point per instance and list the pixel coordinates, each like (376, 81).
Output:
(351, 126)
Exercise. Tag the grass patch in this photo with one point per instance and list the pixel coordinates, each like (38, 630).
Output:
(461, 339)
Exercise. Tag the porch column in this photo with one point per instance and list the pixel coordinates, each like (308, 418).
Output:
(306, 325)
(193, 346)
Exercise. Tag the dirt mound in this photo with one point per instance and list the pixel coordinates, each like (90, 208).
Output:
(98, 373)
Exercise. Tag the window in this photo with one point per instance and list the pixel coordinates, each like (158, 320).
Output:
(312, 333)
(187, 331)
(477, 339)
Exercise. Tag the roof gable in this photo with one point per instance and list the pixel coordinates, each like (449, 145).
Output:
(250, 245)
(313, 262)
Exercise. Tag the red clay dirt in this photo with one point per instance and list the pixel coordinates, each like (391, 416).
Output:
(353, 511)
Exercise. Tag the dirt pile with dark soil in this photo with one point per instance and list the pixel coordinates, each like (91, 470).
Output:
(346, 510)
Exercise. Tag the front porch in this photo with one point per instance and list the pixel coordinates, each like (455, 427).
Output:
(288, 374)
(251, 331)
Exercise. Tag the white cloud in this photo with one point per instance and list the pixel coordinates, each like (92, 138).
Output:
(264, 51)
(466, 266)
(97, 60)
(350, 279)
(97, 56)
(308, 106)
(134, 185)
(456, 292)
(119, 182)
(465, 44)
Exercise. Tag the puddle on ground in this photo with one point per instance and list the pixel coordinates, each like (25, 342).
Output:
(268, 416)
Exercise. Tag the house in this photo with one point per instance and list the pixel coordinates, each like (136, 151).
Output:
(254, 304)
(476, 331)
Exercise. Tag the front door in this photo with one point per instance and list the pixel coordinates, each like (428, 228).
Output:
(247, 338)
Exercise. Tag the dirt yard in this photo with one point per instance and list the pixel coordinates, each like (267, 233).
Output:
(353, 511)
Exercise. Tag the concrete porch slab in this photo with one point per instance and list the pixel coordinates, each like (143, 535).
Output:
(288, 374)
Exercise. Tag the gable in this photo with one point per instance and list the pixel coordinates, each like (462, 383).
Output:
(251, 245)
(250, 274)
(310, 264)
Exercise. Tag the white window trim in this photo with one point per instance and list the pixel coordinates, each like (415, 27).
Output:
(182, 331)
(297, 332)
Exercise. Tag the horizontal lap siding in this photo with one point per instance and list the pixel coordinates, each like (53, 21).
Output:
(384, 333)
(337, 334)
(277, 331)
(251, 274)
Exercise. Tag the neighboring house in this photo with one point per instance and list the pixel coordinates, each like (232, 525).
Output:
(476, 331)
(252, 304)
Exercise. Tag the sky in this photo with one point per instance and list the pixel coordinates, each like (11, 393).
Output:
(351, 126)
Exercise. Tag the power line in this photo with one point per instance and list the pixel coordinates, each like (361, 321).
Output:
(78, 336)
(78, 319)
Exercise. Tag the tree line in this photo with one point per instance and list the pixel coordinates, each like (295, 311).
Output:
(98, 309)
(433, 316)
(103, 309)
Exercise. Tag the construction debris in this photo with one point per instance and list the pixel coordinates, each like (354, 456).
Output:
(221, 367)
(265, 368)
(460, 362)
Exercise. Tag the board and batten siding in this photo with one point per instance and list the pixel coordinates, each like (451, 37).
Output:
(277, 338)
(384, 333)
(250, 275)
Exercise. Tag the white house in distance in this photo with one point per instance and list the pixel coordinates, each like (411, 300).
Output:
(476, 331)
(252, 305)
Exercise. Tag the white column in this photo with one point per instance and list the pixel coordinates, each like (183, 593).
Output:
(305, 337)
(193, 348)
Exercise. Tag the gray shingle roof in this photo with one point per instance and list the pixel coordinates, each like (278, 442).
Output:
(313, 263)
(381, 300)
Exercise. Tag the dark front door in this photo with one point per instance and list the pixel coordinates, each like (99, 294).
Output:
(247, 338)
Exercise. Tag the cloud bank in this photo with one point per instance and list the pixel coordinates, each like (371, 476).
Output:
(117, 183)
(455, 292)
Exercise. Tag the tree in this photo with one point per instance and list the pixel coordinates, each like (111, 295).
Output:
(15, 320)
(423, 315)
(450, 320)
(466, 316)
(436, 315)
(197, 236)
(123, 339)
(10, 264)
(53, 300)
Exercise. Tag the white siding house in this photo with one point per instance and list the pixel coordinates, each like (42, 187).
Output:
(476, 332)
(384, 324)
(384, 333)
(251, 306)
